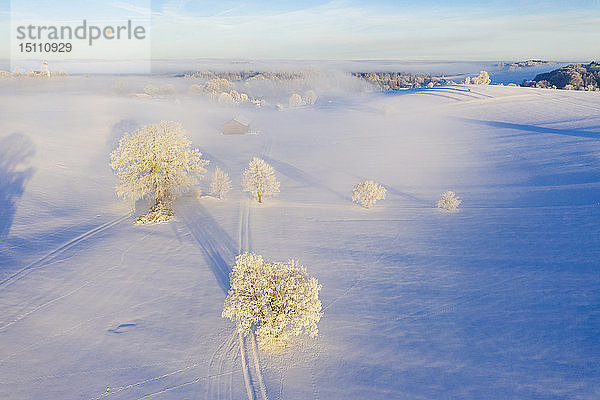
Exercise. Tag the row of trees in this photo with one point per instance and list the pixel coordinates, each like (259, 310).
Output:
(159, 160)
(402, 80)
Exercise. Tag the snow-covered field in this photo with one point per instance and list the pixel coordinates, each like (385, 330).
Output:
(500, 300)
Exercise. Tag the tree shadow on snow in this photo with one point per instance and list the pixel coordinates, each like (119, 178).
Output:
(119, 130)
(15, 151)
(536, 129)
(218, 247)
(300, 176)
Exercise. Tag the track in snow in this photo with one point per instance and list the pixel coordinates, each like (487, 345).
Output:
(220, 252)
(50, 257)
(244, 246)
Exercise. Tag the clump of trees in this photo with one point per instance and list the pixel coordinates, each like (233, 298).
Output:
(482, 79)
(571, 77)
(367, 193)
(157, 160)
(278, 299)
(449, 201)
(296, 100)
(259, 179)
(221, 184)
(402, 80)
(220, 90)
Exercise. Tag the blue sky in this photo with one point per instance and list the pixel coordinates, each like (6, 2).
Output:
(352, 29)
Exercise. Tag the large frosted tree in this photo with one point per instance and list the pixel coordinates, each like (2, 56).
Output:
(259, 179)
(157, 160)
(279, 299)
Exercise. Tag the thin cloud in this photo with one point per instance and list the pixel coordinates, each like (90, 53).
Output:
(343, 30)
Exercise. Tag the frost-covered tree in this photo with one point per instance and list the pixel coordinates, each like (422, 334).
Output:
(225, 98)
(120, 87)
(167, 90)
(196, 89)
(310, 97)
(157, 160)
(151, 90)
(482, 79)
(449, 201)
(296, 100)
(259, 179)
(279, 299)
(221, 184)
(367, 193)
(218, 85)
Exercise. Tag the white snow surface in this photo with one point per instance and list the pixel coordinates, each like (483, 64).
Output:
(498, 300)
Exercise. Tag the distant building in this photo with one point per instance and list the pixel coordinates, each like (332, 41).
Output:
(45, 71)
(237, 126)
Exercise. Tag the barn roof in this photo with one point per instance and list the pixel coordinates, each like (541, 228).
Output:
(242, 120)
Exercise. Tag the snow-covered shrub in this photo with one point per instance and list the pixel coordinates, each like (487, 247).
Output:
(225, 98)
(449, 201)
(151, 90)
(156, 160)
(279, 299)
(367, 193)
(196, 89)
(310, 97)
(167, 90)
(235, 95)
(295, 100)
(19, 72)
(120, 87)
(221, 184)
(158, 214)
(259, 179)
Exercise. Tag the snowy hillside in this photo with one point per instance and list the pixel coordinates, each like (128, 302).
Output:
(498, 300)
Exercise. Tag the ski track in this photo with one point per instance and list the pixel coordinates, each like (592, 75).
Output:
(78, 325)
(220, 374)
(37, 344)
(220, 253)
(95, 371)
(87, 283)
(228, 343)
(244, 245)
(246, 369)
(111, 391)
(268, 143)
(261, 383)
(51, 256)
(360, 278)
